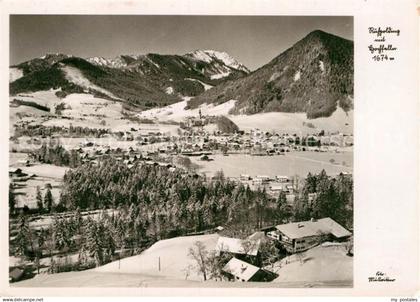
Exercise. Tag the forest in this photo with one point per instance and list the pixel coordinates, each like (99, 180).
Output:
(147, 202)
(177, 201)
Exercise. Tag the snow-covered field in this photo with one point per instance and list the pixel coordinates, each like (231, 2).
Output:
(46, 170)
(45, 174)
(293, 163)
(296, 122)
(173, 255)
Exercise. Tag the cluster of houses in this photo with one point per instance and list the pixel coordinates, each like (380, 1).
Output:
(295, 237)
(272, 185)
(193, 141)
(259, 143)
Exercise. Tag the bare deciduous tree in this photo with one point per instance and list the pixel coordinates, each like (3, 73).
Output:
(200, 255)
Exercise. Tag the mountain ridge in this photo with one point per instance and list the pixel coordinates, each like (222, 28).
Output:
(141, 80)
(314, 76)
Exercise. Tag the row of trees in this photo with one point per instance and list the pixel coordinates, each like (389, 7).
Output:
(48, 131)
(57, 155)
(44, 203)
(325, 196)
(95, 237)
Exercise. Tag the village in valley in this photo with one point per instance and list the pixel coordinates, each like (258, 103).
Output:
(107, 193)
(185, 153)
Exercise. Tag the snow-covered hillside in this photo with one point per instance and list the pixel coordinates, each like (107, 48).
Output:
(280, 121)
(296, 122)
(75, 76)
(177, 111)
(14, 74)
(206, 86)
(80, 109)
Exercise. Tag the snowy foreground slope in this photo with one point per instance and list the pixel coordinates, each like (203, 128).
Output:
(323, 267)
(174, 259)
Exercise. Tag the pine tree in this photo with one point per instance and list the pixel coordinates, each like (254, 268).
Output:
(93, 241)
(283, 211)
(78, 220)
(23, 236)
(62, 237)
(12, 200)
(48, 200)
(39, 202)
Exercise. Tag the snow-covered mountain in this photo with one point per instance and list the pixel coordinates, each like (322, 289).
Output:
(223, 63)
(142, 80)
(211, 63)
(314, 76)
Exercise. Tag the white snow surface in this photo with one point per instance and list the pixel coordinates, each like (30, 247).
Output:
(177, 111)
(151, 61)
(117, 62)
(206, 86)
(173, 257)
(14, 74)
(75, 76)
(295, 122)
(318, 267)
(274, 76)
(219, 75)
(319, 264)
(169, 90)
(321, 66)
(297, 76)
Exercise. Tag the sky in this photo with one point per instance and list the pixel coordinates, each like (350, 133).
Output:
(252, 40)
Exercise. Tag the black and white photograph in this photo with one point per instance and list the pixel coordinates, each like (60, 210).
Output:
(181, 151)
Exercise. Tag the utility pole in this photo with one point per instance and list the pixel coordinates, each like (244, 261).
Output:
(159, 263)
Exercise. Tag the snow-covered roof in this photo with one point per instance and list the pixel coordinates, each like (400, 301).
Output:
(312, 228)
(16, 273)
(238, 246)
(257, 236)
(240, 269)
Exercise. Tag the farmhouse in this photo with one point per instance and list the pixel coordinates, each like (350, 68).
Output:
(238, 270)
(300, 236)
